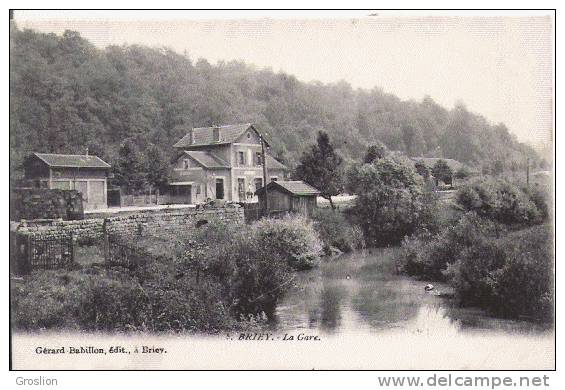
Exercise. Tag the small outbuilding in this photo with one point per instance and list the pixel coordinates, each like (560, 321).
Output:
(288, 196)
(83, 173)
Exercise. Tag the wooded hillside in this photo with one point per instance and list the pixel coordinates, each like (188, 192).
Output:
(67, 95)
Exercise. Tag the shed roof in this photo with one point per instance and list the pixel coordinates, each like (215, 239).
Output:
(295, 187)
(72, 160)
(205, 135)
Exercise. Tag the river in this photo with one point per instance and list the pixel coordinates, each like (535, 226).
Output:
(361, 295)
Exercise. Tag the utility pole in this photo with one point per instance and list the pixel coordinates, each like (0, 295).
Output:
(528, 172)
(264, 161)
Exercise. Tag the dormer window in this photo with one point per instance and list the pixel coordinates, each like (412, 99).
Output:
(185, 163)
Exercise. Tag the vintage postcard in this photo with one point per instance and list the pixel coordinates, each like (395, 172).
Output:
(249, 190)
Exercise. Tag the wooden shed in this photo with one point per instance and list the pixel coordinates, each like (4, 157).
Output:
(288, 196)
(86, 174)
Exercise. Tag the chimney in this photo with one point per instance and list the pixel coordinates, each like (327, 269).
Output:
(191, 136)
(216, 133)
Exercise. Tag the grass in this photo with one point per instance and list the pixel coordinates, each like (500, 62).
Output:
(87, 255)
(219, 277)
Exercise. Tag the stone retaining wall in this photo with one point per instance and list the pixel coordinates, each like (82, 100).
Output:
(152, 222)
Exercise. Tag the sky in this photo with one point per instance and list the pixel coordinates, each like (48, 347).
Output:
(499, 65)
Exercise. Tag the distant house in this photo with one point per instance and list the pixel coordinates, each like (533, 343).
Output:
(221, 162)
(86, 174)
(289, 196)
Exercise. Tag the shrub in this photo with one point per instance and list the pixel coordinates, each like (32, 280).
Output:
(427, 255)
(540, 197)
(336, 231)
(508, 274)
(292, 237)
(503, 201)
(511, 276)
(220, 277)
(462, 173)
(251, 272)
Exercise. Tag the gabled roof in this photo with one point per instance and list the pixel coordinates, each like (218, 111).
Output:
(207, 159)
(205, 135)
(296, 187)
(72, 160)
(273, 163)
(431, 161)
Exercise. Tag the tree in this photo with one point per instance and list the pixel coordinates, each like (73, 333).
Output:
(442, 171)
(497, 167)
(462, 173)
(321, 168)
(375, 152)
(422, 169)
(156, 167)
(391, 202)
(461, 137)
(413, 140)
(66, 93)
(129, 172)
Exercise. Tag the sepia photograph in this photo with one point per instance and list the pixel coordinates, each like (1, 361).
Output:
(282, 190)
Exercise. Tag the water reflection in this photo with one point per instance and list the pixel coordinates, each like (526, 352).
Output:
(361, 293)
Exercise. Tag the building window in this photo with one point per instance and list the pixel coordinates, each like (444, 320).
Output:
(274, 178)
(185, 164)
(258, 158)
(198, 189)
(258, 183)
(241, 158)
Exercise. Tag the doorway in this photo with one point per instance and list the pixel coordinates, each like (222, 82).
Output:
(241, 189)
(219, 188)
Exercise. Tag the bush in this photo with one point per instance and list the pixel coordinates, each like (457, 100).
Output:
(336, 231)
(540, 197)
(503, 201)
(511, 276)
(292, 237)
(391, 202)
(220, 277)
(506, 273)
(462, 173)
(427, 255)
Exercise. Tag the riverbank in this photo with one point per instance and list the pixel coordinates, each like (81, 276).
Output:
(362, 292)
(363, 314)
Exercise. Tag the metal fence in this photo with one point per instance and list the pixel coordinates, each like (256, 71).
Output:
(30, 252)
(118, 253)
